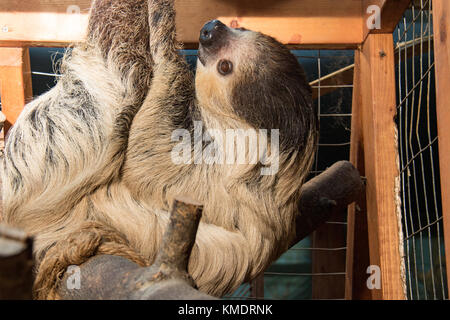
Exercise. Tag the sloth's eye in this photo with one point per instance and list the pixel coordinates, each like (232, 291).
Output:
(225, 67)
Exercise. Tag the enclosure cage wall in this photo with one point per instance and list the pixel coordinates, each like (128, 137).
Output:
(382, 97)
(422, 220)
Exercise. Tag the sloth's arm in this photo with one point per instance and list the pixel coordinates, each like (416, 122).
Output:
(171, 93)
(165, 108)
(163, 43)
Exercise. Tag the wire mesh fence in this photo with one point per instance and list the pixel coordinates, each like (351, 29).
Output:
(423, 240)
(332, 88)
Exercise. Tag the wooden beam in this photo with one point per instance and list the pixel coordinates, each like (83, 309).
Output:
(357, 232)
(15, 82)
(381, 168)
(441, 24)
(298, 23)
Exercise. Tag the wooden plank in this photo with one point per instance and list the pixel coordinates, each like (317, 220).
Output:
(357, 231)
(15, 82)
(441, 24)
(381, 168)
(298, 23)
(391, 12)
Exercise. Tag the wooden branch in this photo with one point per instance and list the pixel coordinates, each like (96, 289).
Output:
(112, 277)
(16, 263)
(325, 195)
(179, 238)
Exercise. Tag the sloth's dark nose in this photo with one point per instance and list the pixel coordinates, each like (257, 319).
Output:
(211, 31)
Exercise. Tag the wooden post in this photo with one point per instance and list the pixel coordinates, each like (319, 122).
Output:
(380, 162)
(441, 24)
(357, 239)
(15, 82)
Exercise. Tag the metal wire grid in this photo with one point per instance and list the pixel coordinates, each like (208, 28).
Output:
(335, 110)
(418, 151)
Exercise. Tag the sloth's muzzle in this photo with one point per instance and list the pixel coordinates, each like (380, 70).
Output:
(212, 32)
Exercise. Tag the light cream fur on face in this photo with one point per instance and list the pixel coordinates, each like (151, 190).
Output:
(214, 90)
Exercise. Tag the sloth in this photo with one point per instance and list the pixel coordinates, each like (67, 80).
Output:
(100, 145)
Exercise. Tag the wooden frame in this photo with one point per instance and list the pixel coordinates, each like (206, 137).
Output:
(373, 229)
(34, 22)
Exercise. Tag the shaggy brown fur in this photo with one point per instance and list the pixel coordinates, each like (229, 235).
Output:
(88, 151)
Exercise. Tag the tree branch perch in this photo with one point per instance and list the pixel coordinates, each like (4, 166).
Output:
(112, 277)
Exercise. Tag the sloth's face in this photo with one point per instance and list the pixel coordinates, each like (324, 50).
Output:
(254, 77)
(224, 54)
(224, 48)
